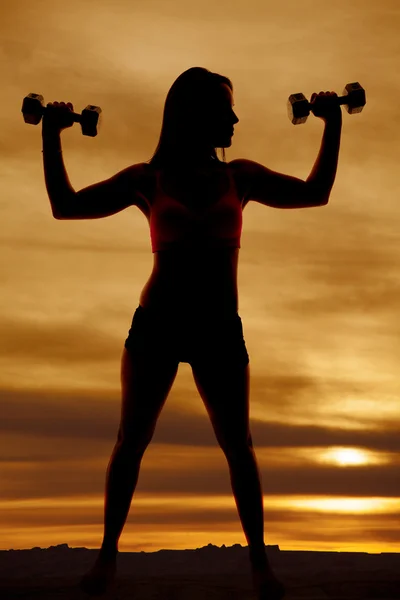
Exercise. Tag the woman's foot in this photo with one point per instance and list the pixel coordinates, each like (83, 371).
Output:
(98, 580)
(267, 586)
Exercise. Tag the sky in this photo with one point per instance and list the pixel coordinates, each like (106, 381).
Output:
(319, 288)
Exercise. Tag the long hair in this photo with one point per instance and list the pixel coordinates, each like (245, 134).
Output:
(191, 94)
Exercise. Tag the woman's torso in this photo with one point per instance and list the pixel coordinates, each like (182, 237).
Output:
(200, 279)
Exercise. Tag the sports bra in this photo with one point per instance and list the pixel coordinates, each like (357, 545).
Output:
(174, 225)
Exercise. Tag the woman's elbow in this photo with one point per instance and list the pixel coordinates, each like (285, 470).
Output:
(322, 201)
(319, 197)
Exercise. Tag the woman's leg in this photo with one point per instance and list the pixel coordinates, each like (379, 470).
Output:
(225, 395)
(146, 383)
(222, 378)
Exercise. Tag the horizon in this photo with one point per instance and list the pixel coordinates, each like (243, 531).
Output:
(65, 546)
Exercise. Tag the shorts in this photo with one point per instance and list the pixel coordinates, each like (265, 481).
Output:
(198, 339)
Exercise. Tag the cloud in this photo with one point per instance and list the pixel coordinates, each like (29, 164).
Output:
(55, 342)
(182, 472)
(55, 415)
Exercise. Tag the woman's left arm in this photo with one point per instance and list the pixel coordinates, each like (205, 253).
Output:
(323, 173)
(284, 191)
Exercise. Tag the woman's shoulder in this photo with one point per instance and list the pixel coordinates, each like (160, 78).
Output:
(143, 173)
(241, 166)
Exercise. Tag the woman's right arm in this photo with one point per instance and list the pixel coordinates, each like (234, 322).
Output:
(93, 202)
(59, 188)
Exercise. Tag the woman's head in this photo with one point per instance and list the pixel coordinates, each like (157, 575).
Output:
(198, 117)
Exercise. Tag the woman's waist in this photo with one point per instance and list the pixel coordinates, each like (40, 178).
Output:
(194, 282)
(191, 300)
(197, 258)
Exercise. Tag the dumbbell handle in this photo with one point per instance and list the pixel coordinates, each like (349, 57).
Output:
(340, 100)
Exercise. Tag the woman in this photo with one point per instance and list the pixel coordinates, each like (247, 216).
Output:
(188, 310)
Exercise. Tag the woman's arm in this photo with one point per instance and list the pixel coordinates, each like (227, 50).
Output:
(95, 201)
(323, 173)
(59, 188)
(284, 191)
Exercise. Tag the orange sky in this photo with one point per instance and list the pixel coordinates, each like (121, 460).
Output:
(319, 288)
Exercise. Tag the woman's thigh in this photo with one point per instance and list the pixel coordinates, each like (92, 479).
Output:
(145, 385)
(221, 372)
(225, 393)
(147, 375)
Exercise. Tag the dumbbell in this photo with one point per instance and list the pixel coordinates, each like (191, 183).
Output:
(353, 100)
(33, 108)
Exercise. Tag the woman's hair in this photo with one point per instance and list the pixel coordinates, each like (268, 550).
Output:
(192, 93)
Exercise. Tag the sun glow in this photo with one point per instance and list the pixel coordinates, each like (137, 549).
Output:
(345, 457)
(346, 505)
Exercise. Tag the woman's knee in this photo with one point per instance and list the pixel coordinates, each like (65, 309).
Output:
(130, 445)
(136, 436)
(238, 450)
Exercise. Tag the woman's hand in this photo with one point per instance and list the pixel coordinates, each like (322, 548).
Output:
(57, 117)
(325, 106)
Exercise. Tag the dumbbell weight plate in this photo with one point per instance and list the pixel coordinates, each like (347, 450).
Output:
(90, 119)
(32, 108)
(356, 99)
(298, 108)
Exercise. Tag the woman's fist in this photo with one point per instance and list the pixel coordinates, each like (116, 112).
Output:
(325, 105)
(58, 116)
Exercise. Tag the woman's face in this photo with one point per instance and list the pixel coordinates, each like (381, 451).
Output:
(219, 119)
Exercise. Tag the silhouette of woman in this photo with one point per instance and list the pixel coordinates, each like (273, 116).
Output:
(188, 309)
